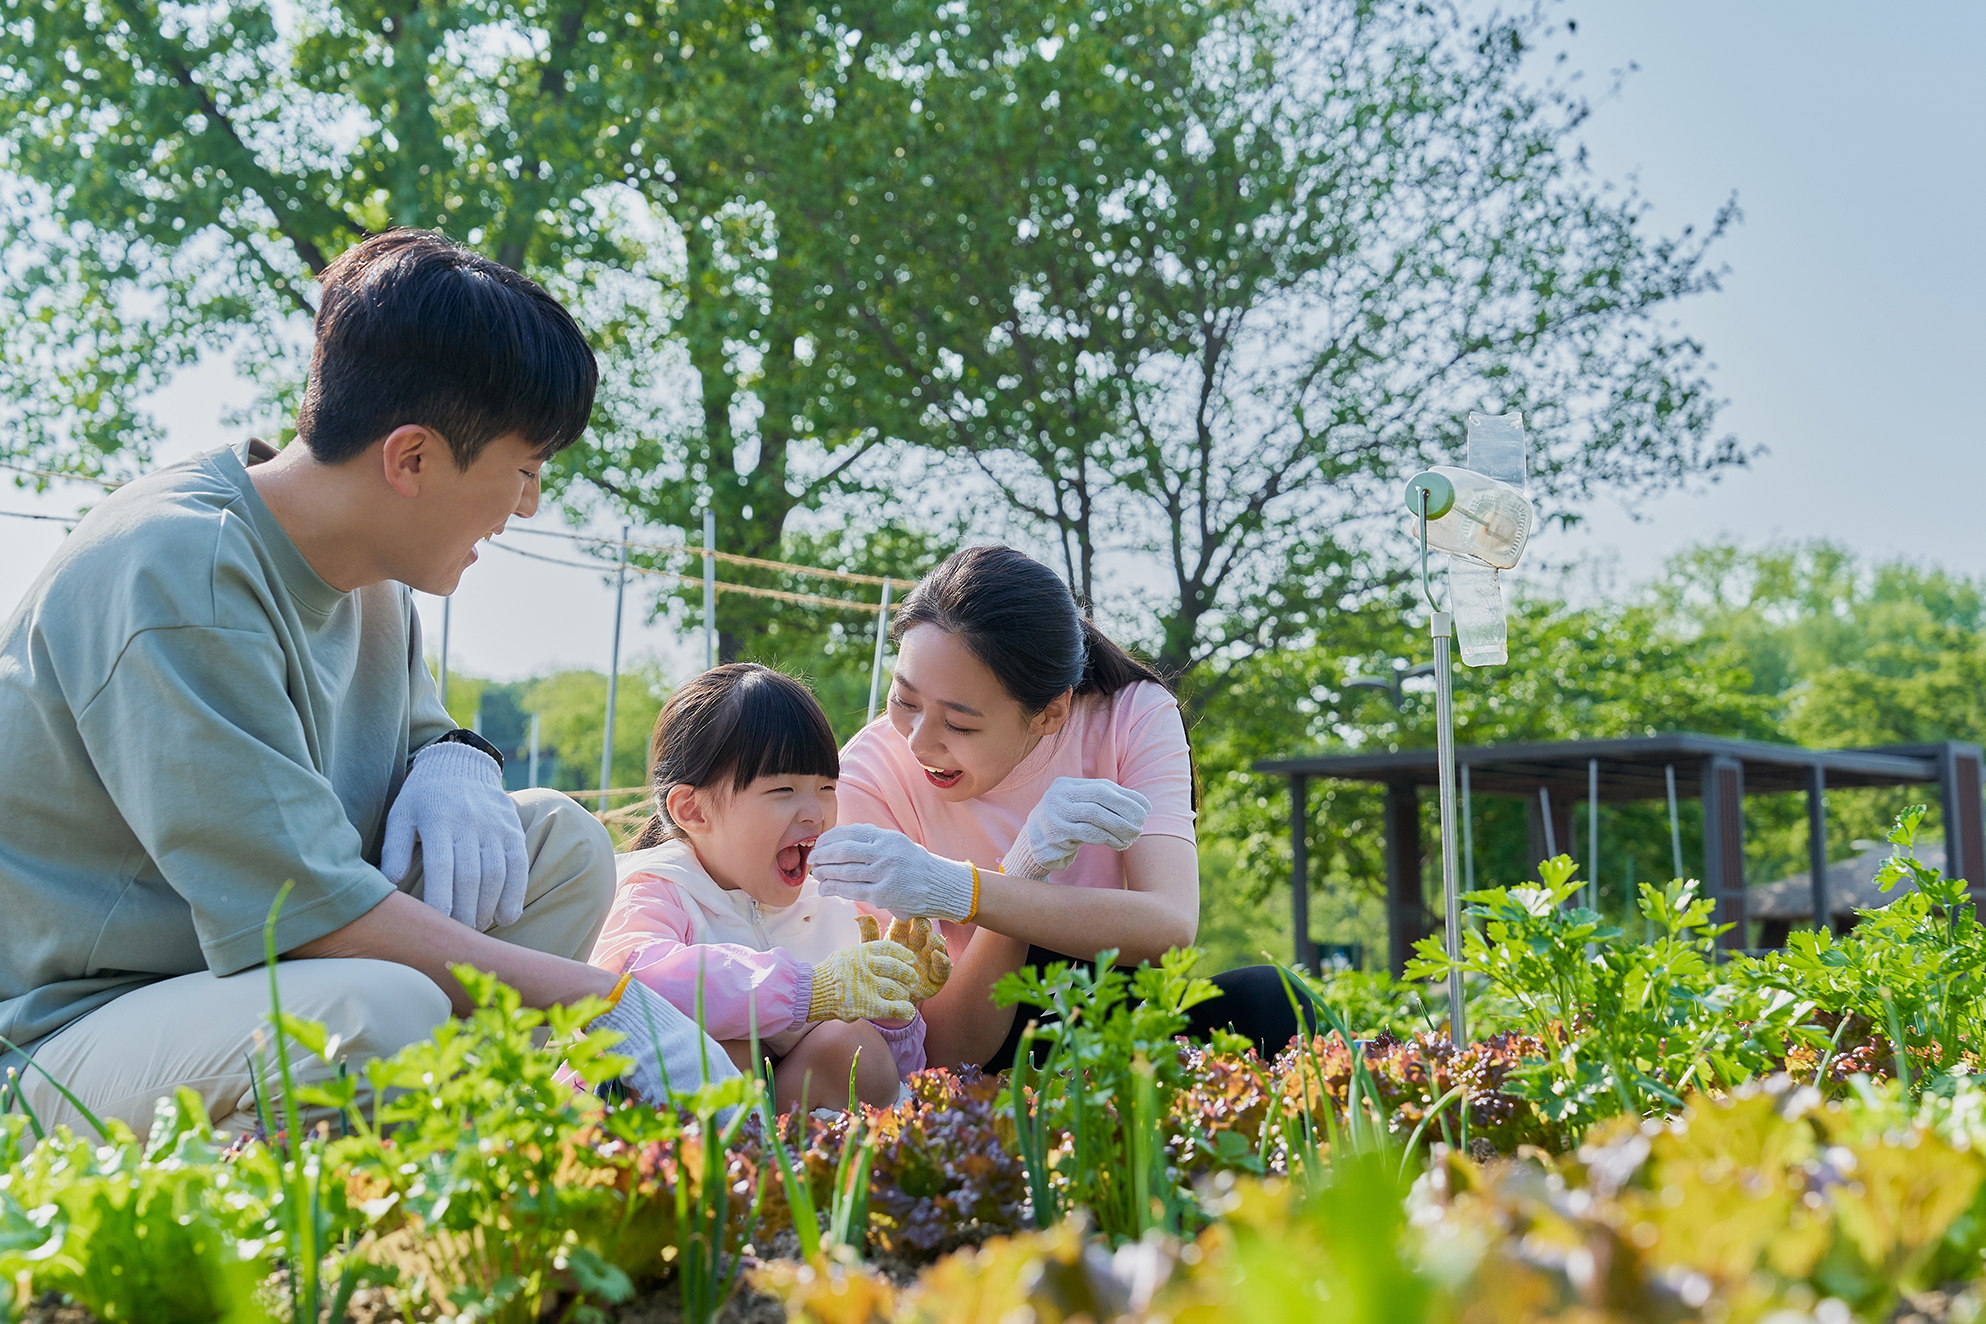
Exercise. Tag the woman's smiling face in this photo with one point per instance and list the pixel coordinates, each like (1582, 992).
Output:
(962, 726)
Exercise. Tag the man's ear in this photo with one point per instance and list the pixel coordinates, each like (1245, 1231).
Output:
(1050, 719)
(408, 455)
(686, 809)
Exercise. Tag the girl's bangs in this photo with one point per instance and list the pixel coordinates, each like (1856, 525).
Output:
(780, 731)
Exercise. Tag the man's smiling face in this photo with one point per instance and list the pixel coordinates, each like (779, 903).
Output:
(457, 508)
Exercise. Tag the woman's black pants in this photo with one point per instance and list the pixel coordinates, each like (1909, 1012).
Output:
(1254, 1001)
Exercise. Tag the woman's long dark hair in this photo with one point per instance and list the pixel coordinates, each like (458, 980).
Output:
(734, 723)
(1023, 623)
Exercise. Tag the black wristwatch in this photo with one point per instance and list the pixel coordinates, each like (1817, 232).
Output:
(463, 736)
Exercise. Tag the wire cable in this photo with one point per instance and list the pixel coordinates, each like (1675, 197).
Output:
(750, 590)
(732, 558)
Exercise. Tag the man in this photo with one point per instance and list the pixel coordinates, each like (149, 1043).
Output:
(217, 686)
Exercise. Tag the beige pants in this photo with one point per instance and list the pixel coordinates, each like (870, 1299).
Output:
(199, 1031)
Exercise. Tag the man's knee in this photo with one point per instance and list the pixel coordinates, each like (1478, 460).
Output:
(379, 1007)
(563, 837)
(572, 875)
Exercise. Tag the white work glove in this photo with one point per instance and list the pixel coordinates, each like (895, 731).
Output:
(888, 871)
(669, 1050)
(473, 862)
(1077, 811)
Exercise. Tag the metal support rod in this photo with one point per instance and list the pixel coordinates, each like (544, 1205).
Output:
(533, 779)
(876, 671)
(709, 588)
(1442, 627)
(1306, 951)
(1592, 834)
(1468, 836)
(441, 681)
(613, 673)
(1675, 823)
(1817, 846)
(1551, 835)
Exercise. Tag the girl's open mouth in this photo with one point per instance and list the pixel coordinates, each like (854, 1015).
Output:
(792, 862)
(944, 780)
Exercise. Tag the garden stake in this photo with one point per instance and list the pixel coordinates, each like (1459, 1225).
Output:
(1441, 626)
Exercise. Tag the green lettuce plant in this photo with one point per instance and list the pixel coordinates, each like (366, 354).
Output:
(1092, 1122)
(1626, 1027)
(1915, 967)
(162, 1232)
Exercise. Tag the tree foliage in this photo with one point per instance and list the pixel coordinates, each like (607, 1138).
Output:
(1196, 285)
(1192, 281)
(1806, 643)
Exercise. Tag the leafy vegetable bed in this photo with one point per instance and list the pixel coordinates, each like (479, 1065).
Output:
(1643, 1133)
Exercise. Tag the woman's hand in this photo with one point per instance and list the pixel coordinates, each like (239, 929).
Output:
(934, 963)
(1076, 812)
(886, 870)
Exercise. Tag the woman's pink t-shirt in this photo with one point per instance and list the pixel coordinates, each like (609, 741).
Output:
(1134, 737)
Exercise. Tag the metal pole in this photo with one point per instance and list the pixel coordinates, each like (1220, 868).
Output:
(876, 671)
(613, 673)
(1675, 823)
(1442, 628)
(1551, 836)
(1592, 834)
(1306, 952)
(1817, 846)
(1468, 836)
(441, 683)
(709, 588)
(534, 750)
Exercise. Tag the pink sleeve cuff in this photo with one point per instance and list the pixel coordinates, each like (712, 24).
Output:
(906, 1041)
(737, 983)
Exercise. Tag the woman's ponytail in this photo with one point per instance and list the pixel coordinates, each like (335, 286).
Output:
(1107, 668)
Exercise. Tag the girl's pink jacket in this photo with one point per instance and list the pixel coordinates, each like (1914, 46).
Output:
(673, 926)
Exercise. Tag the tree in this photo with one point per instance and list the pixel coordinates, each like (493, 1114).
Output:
(1193, 279)
(1849, 653)
(1199, 284)
(179, 174)
(1574, 673)
(570, 706)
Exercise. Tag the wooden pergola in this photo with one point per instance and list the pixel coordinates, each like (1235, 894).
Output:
(1718, 772)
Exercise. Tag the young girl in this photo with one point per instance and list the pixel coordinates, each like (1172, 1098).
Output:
(715, 898)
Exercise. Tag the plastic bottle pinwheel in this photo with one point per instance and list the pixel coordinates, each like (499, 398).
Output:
(1481, 517)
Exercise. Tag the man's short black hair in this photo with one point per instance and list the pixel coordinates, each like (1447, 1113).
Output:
(415, 329)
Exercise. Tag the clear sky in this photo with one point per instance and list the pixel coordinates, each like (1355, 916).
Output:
(1848, 338)
(1849, 334)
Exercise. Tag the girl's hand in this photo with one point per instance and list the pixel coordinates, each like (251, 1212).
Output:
(886, 870)
(934, 963)
(1076, 812)
(867, 982)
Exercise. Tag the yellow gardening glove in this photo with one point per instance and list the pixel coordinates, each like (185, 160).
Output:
(866, 982)
(934, 963)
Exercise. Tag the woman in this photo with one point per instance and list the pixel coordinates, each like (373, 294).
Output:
(1032, 787)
